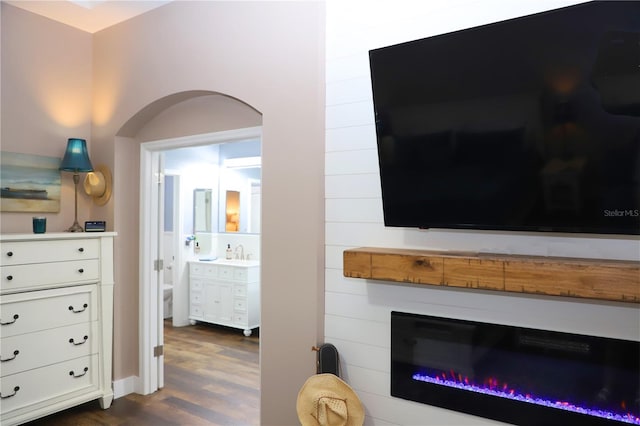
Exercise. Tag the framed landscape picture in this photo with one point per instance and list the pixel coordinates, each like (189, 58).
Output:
(29, 183)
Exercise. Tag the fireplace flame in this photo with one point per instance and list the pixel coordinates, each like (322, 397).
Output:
(493, 387)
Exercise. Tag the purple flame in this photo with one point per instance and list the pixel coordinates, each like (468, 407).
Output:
(505, 392)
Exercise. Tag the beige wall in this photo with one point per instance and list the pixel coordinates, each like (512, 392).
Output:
(46, 99)
(269, 55)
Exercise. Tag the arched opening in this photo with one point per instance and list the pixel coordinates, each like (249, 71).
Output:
(197, 120)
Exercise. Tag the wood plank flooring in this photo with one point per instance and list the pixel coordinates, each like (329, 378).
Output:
(212, 377)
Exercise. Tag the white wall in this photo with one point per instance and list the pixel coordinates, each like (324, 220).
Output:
(357, 312)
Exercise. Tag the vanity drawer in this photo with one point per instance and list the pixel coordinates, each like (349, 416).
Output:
(196, 298)
(46, 309)
(240, 319)
(226, 272)
(203, 269)
(240, 290)
(26, 252)
(34, 350)
(33, 386)
(240, 305)
(31, 277)
(195, 311)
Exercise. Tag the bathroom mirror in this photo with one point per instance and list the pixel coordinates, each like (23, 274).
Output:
(239, 203)
(202, 204)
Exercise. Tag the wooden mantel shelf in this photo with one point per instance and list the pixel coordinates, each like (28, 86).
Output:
(614, 280)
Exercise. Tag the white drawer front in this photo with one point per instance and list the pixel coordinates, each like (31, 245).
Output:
(205, 269)
(195, 311)
(240, 305)
(226, 272)
(240, 290)
(33, 311)
(26, 252)
(196, 298)
(31, 277)
(32, 386)
(240, 319)
(34, 350)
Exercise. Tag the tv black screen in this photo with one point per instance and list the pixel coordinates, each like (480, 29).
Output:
(530, 124)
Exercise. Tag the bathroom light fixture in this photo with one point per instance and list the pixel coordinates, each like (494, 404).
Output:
(97, 184)
(76, 160)
(242, 163)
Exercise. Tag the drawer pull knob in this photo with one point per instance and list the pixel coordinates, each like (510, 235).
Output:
(15, 318)
(9, 278)
(81, 270)
(75, 376)
(84, 307)
(15, 354)
(10, 253)
(15, 391)
(80, 343)
(81, 249)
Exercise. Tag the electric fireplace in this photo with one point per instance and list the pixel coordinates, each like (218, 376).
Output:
(516, 375)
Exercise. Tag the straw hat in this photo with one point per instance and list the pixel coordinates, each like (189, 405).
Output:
(97, 184)
(326, 400)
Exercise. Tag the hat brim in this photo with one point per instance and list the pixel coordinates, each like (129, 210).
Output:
(104, 174)
(319, 384)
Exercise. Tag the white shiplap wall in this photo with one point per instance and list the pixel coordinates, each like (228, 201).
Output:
(357, 312)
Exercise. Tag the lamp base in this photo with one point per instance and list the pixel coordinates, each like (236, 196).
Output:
(75, 228)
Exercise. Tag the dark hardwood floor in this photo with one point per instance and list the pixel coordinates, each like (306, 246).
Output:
(211, 378)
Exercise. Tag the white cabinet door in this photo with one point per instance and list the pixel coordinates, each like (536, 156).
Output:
(218, 302)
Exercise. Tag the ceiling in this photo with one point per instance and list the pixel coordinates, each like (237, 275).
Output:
(88, 15)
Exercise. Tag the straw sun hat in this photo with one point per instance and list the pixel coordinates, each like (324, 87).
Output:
(326, 400)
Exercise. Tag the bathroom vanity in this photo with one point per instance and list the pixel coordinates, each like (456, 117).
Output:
(225, 292)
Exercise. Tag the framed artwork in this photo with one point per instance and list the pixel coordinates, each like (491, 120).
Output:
(29, 183)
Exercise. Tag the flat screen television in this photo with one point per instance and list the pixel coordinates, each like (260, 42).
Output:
(530, 124)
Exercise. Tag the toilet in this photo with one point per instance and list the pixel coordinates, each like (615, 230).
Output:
(168, 301)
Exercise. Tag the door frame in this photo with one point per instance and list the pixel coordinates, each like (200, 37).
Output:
(151, 368)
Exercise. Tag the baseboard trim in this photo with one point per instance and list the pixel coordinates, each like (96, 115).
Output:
(124, 387)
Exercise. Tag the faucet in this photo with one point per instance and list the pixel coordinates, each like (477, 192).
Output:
(241, 257)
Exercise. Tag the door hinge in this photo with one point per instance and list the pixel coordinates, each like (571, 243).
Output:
(158, 351)
(158, 265)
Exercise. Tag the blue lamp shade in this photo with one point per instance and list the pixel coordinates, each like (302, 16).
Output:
(76, 157)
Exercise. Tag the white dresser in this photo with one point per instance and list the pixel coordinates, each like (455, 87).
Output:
(56, 323)
(225, 293)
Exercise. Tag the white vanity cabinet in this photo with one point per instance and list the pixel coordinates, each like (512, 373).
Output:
(225, 293)
(56, 323)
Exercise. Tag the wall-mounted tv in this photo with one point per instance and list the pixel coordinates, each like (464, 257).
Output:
(530, 124)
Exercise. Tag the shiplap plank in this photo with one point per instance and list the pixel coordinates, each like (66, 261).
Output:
(348, 91)
(361, 355)
(351, 138)
(362, 185)
(362, 331)
(351, 114)
(355, 306)
(343, 162)
(364, 210)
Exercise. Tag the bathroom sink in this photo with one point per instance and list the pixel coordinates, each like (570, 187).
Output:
(237, 262)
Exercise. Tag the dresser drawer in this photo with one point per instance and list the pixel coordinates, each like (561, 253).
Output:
(33, 311)
(27, 252)
(33, 386)
(31, 277)
(41, 348)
